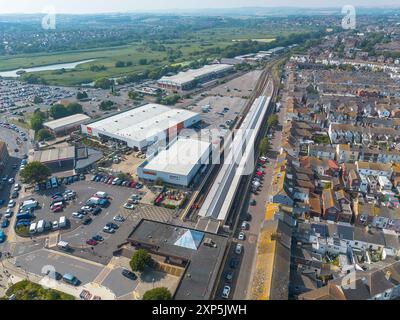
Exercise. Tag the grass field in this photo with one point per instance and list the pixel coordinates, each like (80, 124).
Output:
(192, 47)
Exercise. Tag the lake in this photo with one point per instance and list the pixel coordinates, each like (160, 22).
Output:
(15, 73)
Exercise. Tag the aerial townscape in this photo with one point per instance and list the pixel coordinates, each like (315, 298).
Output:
(200, 154)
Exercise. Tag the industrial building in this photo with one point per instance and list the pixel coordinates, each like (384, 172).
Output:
(64, 126)
(64, 159)
(141, 127)
(178, 164)
(189, 79)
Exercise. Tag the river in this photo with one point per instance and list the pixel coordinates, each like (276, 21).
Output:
(16, 73)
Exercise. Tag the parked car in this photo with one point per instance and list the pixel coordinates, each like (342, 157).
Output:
(98, 238)
(71, 279)
(5, 223)
(91, 242)
(96, 211)
(77, 215)
(108, 229)
(119, 219)
(112, 225)
(11, 204)
(225, 292)
(238, 248)
(241, 236)
(55, 225)
(129, 274)
(87, 221)
(229, 276)
(15, 195)
(244, 225)
(233, 263)
(129, 206)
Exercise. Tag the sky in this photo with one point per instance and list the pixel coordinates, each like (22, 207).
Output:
(100, 6)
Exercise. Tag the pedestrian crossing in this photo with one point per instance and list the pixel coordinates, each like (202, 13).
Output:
(148, 212)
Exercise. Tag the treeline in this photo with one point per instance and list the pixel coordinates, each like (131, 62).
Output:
(59, 111)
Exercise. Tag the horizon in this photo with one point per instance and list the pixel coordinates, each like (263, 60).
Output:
(126, 6)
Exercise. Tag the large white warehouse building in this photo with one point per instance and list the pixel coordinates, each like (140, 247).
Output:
(143, 126)
(178, 164)
(189, 79)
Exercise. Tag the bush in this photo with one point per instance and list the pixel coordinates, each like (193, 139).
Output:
(140, 260)
(107, 106)
(169, 206)
(44, 135)
(26, 290)
(158, 294)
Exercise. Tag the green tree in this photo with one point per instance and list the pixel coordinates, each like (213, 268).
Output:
(143, 61)
(120, 64)
(103, 83)
(82, 95)
(140, 260)
(273, 121)
(44, 135)
(74, 108)
(58, 111)
(35, 172)
(36, 122)
(158, 294)
(133, 95)
(107, 105)
(264, 145)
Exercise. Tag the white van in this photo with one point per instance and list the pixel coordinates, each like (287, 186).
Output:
(62, 223)
(63, 245)
(32, 228)
(40, 226)
(29, 204)
(101, 194)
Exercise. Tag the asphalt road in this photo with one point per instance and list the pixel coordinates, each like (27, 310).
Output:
(36, 262)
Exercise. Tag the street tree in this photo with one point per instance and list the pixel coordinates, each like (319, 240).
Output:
(140, 260)
(35, 172)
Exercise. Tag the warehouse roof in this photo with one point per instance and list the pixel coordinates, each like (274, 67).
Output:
(75, 119)
(181, 157)
(193, 74)
(143, 122)
(53, 155)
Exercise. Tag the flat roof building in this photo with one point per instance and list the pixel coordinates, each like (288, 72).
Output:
(67, 158)
(189, 79)
(199, 254)
(66, 125)
(178, 164)
(141, 127)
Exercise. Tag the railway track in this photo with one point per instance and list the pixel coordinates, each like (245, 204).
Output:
(259, 90)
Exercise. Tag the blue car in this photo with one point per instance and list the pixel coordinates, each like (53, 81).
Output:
(23, 224)
(2, 236)
(5, 223)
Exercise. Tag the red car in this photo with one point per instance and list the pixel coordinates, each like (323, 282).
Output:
(133, 184)
(91, 242)
(57, 209)
(110, 180)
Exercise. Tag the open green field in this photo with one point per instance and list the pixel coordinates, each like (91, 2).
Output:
(190, 47)
(107, 57)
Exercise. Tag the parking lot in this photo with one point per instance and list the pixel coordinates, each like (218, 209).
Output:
(38, 261)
